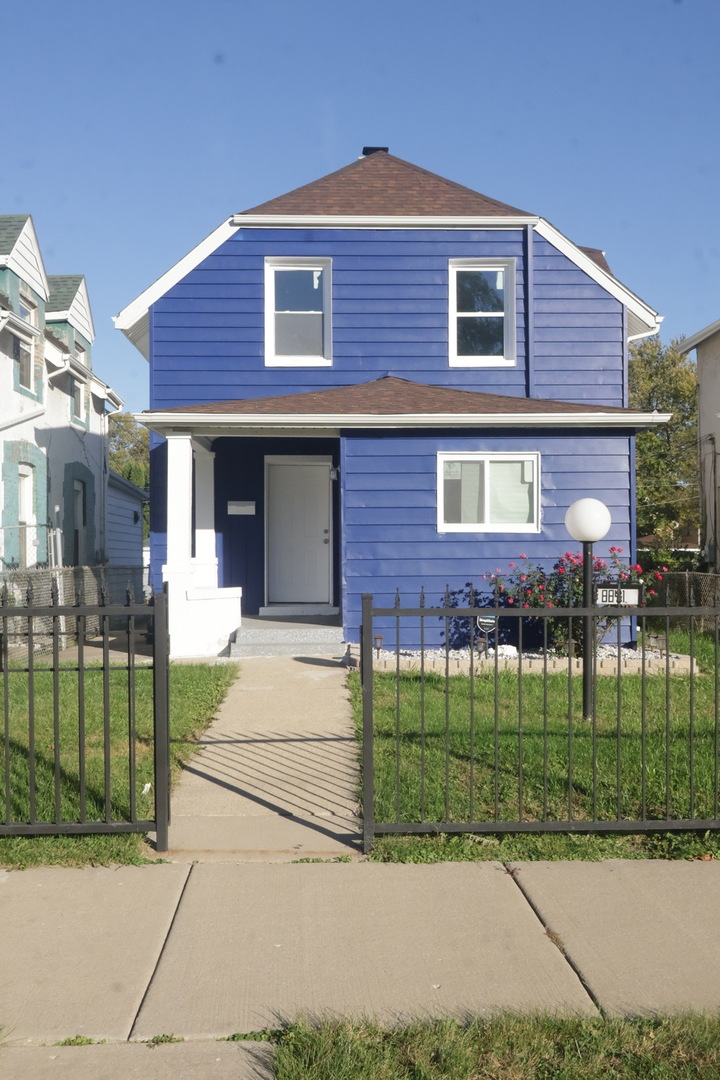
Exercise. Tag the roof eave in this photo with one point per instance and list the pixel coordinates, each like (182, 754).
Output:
(250, 423)
(692, 342)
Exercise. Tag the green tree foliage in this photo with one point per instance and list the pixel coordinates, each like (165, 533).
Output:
(662, 378)
(129, 454)
(129, 448)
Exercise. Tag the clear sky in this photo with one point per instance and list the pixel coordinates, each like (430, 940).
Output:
(132, 129)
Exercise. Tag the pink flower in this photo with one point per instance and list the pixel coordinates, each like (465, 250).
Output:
(613, 549)
(528, 592)
(526, 605)
(657, 576)
(664, 569)
(651, 592)
(511, 565)
(523, 577)
(523, 555)
(510, 600)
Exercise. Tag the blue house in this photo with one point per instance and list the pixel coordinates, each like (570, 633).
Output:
(380, 380)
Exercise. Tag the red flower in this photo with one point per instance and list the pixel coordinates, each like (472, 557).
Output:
(651, 592)
(523, 555)
(528, 592)
(561, 570)
(526, 605)
(510, 600)
(511, 565)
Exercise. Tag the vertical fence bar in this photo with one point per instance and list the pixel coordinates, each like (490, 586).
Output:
(107, 734)
(667, 720)
(132, 726)
(398, 706)
(81, 626)
(447, 706)
(161, 718)
(545, 718)
(496, 712)
(471, 807)
(643, 721)
(4, 644)
(366, 677)
(716, 776)
(423, 748)
(521, 763)
(56, 702)
(618, 721)
(31, 711)
(692, 717)
(570, 716)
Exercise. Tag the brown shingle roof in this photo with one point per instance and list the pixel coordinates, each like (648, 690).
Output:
(381, 184)
(598, 257)
(388, 396)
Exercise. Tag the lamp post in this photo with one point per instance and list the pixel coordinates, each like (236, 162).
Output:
(587, 520)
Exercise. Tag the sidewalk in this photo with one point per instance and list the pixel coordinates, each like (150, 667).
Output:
(243, 939)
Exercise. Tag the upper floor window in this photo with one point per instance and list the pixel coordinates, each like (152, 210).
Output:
(297, 312)
(482, 312)
(81, 353)
(27, 311)
(23, 357)
(480, 492)
(77, 407)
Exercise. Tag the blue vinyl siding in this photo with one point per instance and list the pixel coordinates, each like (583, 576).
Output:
(389, 314)
(389, 497)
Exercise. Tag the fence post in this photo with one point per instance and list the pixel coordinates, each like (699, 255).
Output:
(161, 719)
(366, 677)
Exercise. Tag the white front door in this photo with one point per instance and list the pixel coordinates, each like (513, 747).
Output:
(298, 530)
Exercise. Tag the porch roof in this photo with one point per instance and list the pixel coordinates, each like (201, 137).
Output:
(388, 402)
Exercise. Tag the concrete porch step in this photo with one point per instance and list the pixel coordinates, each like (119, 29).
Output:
(313, 636)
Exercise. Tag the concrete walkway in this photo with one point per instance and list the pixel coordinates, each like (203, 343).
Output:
(231, 936)
(276, 776)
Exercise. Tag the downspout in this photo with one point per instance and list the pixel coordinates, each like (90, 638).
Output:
(31, 415)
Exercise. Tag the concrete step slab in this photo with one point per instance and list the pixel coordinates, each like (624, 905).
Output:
(643, 934)
(122, 1061)
(262, 838)
(253, 946)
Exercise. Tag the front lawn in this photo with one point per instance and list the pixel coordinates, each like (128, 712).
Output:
(517, 758)
(196, 691)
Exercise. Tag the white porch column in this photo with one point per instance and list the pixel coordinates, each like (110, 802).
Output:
(179, 502)
(205, 562)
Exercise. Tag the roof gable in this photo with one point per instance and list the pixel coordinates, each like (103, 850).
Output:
(20, 251)
(381, 184)
(69, 302)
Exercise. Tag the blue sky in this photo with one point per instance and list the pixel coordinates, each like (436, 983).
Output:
(133, 129)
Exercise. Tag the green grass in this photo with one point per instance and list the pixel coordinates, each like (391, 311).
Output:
(462, 762)
(504, 1048)
(196, 691)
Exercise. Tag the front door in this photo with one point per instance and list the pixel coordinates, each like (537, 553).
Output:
(298, 530)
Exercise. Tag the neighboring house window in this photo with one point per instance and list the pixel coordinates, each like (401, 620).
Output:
(297, 313)
(488, 492)
(79, 522)
(27, 539)
(482, 313)
(27, 311)
(23, 357)
(78, 400)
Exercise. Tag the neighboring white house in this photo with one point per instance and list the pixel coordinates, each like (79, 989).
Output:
(53, 412)
(124, 522)
(707, 348)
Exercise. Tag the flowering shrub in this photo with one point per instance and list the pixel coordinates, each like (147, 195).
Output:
(525, 585)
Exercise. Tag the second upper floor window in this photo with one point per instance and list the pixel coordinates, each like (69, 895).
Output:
(482, 313)
(77, 400)
(23, 357)
(297, 313)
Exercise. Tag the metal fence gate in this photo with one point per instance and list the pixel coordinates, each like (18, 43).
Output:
(85, 744)
(504, 735)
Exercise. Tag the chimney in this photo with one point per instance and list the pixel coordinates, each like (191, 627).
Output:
(368, 150)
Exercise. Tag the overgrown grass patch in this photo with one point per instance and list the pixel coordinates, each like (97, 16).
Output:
(196, 690)
(504, 1048)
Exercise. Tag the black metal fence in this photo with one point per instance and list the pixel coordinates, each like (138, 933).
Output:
(495, 737)
(85, 744)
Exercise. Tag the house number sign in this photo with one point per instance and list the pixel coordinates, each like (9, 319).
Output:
(609, 597)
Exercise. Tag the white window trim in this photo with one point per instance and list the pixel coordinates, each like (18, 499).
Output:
(509, 357)
(476, 527)
(282, 263)
(79, 385)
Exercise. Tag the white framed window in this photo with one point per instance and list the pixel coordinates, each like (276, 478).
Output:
(484, 492)
(23, 357)
(77, 400)
(27, 311)
(81, 353)
(298, 331)
(482, 313)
